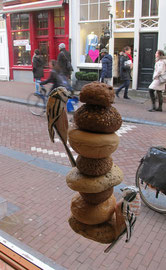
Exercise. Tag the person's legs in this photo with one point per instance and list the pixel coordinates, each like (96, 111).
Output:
(108, 81)
(119, 89)
(37, 83)
(160, 99)
(153, 99)
(127, 83)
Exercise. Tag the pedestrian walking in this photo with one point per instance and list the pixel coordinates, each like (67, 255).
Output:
(37, 68)
(106, 72)
(158, 85)
(125, 67)
(64, 61)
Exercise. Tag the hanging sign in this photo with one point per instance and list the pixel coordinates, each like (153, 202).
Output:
(20, 42)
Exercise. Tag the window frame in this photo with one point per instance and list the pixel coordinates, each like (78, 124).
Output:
(125, 11)
(17, 31)
(149, 10)
(59, 27)
(88, 4)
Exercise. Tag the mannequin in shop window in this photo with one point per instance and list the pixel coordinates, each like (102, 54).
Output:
(91, 43)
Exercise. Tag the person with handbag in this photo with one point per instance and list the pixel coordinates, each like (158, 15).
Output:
(159, 81)
(64, 61)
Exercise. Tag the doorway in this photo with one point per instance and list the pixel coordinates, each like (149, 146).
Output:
(148, 47)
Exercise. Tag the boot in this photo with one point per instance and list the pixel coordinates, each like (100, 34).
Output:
(160, 98)
(153, 99)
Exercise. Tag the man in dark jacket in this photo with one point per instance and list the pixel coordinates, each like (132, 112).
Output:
(64, 61)
(37, 68)
(126, 64)
(106, 72)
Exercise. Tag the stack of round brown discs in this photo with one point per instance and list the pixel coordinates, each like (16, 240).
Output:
(95, 213)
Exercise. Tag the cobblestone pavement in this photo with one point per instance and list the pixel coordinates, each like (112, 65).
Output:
(42, 199)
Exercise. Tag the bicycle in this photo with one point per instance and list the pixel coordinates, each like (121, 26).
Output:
(150, 195)
(37, 102)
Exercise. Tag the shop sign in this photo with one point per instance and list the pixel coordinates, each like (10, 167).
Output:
(21, 42)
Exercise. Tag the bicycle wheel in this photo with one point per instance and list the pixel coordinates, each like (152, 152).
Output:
(36, 104)
(148, 195)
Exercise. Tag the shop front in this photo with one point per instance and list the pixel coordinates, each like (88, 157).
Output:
(40, 24)
(89, 33)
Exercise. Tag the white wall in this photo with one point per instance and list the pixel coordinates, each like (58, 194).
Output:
(4, 57)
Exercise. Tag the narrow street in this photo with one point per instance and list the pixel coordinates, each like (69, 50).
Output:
(33, 182)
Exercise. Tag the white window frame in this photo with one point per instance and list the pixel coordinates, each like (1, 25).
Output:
(91, 4)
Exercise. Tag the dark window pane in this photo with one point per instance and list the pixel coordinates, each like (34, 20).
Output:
(120, 9)
(154, 8)
(84, 13)
(42, 20)
(57, 32)
(57, 22)
(62, 21)
(22, 57)
(20, 35)
(24, 21)
(104, 13)
(94, 12)
(130, 9)
(43, 32)
(15, 21)
(44, 50)
(62, 12)
(145, 8)
(62, 32)
(19, 21)
(57, 12)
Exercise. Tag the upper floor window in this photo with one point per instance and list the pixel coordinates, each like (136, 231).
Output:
(42, 23)
(94, 10)
(150, 8)
(59, 21)
(125, 8)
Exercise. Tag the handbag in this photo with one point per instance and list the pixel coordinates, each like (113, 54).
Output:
(162, 78)
(68, 63)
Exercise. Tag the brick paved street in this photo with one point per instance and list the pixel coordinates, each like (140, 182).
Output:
(41, 199)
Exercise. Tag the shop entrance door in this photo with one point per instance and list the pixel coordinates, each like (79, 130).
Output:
(148, 47)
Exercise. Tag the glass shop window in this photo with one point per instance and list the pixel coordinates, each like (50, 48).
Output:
(59, 21)
(150, 8)
(93, 38)
(94, 10)
(124, 9)
(42, 23)
(21, 39)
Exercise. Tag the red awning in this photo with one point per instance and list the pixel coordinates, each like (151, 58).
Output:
(46, 4)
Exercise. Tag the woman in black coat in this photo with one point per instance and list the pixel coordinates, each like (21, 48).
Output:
(37, 68)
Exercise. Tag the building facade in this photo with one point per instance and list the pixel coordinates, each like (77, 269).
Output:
(35, 24)
(114, 24)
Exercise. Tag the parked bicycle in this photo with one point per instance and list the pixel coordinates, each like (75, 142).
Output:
(151, 179)
(37, 102)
